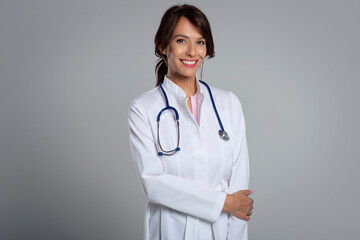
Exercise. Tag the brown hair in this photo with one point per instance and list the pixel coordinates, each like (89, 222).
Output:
(166, 30)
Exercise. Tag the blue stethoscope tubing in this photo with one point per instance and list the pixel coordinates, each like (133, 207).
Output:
(222, 133)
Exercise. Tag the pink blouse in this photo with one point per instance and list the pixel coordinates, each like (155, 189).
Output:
(194, 106)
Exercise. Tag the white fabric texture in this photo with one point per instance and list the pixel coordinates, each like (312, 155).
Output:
(186, 191)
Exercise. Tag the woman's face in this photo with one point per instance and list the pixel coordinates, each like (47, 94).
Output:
(186, 51)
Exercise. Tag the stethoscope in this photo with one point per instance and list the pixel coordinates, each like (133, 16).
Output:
(222, 133)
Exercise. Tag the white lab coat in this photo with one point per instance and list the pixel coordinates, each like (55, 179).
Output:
(191, 185)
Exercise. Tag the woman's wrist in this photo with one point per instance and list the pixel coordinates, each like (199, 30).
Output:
(227, 203)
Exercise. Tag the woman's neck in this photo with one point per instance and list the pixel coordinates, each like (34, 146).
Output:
(188, 85)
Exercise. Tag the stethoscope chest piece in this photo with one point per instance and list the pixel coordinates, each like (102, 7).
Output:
(223, 135)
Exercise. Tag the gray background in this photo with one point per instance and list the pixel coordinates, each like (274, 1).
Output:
(69, 70)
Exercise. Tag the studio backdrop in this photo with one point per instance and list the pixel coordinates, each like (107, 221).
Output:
(69, 70)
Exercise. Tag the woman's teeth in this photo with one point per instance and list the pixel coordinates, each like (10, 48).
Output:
(189, 62)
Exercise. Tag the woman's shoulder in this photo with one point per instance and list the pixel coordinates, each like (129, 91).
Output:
(226, 97)
(146, 99)
(228, 105)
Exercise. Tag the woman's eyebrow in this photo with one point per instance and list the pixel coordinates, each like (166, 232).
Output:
(184, 36)
(180, 35)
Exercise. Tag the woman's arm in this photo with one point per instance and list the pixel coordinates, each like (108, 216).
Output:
(171, 191)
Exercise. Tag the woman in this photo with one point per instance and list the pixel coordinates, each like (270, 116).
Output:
(196, 182)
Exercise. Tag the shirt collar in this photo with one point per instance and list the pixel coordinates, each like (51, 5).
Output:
(178, 91)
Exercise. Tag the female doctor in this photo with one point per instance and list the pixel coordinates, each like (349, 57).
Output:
(188, 140)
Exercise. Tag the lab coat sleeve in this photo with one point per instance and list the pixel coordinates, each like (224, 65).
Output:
(171, 191)
(239, 179)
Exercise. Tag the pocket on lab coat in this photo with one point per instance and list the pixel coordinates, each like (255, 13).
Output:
(165, 222)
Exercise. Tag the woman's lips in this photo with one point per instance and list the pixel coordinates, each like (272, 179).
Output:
(189, 62)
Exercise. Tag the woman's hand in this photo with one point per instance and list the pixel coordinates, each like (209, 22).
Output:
(239, 204)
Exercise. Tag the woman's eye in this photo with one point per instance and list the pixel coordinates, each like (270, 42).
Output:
(201, 42)
(180, 40)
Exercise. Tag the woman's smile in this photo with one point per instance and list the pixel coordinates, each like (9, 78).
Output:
(189, 62)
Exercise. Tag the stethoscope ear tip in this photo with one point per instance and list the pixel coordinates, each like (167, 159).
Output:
(160, 153)
(177, 149)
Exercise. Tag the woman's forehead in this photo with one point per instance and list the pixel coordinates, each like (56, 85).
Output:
(186, 29)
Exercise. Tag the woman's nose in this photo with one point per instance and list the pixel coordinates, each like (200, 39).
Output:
(190, 51)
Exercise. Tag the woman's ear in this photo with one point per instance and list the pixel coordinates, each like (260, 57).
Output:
(164, 52)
